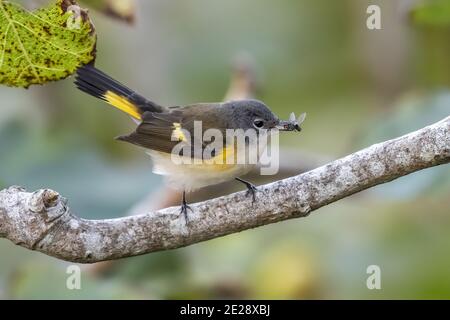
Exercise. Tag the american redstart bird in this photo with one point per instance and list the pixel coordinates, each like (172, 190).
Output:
(161, 129)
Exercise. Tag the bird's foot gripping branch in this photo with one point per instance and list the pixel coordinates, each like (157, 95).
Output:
(41, 220)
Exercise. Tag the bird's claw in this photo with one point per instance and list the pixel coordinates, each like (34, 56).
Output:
(184, 211)
(251, 190)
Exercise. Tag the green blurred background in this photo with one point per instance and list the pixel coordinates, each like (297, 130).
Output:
(358, 87)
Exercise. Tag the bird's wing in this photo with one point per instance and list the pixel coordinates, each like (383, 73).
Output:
(155, 132)
(163, 131)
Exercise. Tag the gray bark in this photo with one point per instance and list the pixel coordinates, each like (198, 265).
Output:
(42, 220)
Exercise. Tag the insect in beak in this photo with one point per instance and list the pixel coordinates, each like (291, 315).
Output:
(293, 124)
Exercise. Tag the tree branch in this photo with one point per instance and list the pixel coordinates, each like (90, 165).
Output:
(41, 220)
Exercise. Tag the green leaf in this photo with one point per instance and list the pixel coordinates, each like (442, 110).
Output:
(44, 45)
(432, 13)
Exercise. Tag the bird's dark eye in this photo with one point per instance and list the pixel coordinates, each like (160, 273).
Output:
(258, 123)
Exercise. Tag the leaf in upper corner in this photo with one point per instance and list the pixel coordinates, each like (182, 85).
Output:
(44, 45)
(124, 10)
(432, 13)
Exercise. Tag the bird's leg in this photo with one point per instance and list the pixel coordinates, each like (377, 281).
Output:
(185, 207)
(251, 188)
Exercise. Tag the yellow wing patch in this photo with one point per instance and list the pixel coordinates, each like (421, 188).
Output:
(123, 104)
(177, 132)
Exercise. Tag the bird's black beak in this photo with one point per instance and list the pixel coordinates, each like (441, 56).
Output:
(293, 124)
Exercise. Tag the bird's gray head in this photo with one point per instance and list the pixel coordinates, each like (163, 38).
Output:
(247, 114)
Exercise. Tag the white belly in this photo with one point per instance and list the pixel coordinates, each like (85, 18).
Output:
(190, 177)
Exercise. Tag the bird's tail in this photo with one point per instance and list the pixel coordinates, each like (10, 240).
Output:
(98, 84)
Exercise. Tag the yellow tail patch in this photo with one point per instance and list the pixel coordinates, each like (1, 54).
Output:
(123, 104)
